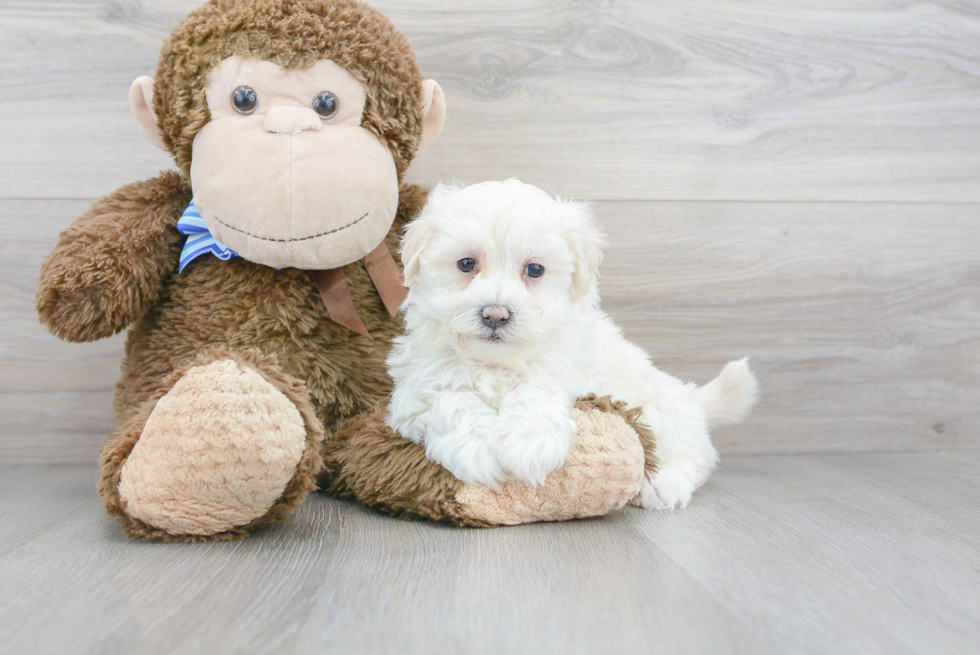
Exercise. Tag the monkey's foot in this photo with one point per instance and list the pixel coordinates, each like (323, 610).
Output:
(603, 472)
(604, 469)
(223, 450)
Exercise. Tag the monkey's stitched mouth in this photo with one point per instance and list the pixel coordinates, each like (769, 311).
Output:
(312, 236)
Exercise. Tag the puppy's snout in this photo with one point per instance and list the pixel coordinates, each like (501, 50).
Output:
(495, 316)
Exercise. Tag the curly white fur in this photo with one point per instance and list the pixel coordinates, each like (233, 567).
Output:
(493, 403)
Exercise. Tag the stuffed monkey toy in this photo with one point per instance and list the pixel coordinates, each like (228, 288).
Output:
(260, 289)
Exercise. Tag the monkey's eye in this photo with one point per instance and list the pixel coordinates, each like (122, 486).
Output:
(534, 270)
(325, 104)
(244, 99)
(466, 264)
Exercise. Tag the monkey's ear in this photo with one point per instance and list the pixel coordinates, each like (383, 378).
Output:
(141, 102)
(434, 113)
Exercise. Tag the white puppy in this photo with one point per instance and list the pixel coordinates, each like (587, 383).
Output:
(504, 332)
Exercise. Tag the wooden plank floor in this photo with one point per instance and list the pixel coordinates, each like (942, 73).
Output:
(875, 553)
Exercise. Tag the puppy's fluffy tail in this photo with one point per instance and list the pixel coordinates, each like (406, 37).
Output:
(729, 397)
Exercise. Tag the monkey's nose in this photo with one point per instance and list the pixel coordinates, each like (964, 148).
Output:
(291, 120)
(495, 316)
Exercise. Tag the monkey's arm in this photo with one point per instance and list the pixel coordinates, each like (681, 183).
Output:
(106, 270)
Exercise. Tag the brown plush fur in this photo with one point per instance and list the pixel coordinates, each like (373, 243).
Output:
(106, 271)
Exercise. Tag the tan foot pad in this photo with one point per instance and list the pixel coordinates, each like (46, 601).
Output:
(216, 452)
(603, 472)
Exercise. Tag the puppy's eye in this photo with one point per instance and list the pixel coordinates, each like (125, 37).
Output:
(325, 104)
(466, 264)
(534, 270)
(244, 99)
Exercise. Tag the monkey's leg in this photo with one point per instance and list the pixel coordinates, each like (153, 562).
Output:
(368, 461)
(228, 444)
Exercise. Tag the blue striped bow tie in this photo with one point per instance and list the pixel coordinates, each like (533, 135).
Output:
(199, 239)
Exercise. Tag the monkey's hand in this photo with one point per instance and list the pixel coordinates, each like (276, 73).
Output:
(106, 270)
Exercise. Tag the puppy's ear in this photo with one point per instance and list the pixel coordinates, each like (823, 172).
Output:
(416, 237)
(419, 232)
(585, 243)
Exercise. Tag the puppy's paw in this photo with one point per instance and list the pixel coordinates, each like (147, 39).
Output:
(672, 486)
(470, 455)
(477, 463)
(531, 448)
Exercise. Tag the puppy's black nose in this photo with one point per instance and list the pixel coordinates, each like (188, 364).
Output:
(495, 316)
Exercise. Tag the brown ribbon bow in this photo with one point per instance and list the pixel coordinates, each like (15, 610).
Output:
(387, 278)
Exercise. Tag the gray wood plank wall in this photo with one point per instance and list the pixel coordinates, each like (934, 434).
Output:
(799, 183)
